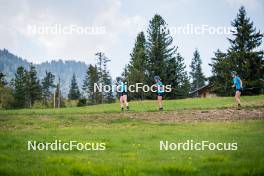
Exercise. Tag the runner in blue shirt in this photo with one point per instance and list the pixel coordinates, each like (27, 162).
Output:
(237, 84)
(159, 91)
(122, 92)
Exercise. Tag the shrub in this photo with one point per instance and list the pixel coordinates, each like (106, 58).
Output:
(82, 102)
(7, 100)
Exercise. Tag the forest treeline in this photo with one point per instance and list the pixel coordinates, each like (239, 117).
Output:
(153, 54)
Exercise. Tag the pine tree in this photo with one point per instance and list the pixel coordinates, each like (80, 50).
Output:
(177, 77)
(86, 83)
(157, 56)
(108, 96)
(136, 69)
(221, 75)
(104, 78)
(74, 92)
(91, 78)
(159, 48)
(243, 55)
(33, 87)
(197, 76)
(47, 85)
(20, 87)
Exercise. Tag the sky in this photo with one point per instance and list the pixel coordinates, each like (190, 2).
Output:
(48, 30)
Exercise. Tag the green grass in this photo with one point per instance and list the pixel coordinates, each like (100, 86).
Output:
(143, 106)
(132, 146)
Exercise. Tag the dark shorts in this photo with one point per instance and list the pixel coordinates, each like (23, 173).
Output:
(160, 94)
(122, 93)
(239, 90)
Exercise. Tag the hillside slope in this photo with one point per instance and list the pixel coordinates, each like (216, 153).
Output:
(61, 69)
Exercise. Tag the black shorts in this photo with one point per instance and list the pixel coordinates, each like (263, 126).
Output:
(122, 93)
(240, 90)
(160, 94)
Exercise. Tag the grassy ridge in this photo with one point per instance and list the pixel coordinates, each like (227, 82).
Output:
(144, 106)
(132, 146)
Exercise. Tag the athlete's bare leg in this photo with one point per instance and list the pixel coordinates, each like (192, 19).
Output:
(237, 97)
(122, 102)
(160, 102)
(125, 100)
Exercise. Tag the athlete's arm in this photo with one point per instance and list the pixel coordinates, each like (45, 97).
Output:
(234, 84)
(118, 88)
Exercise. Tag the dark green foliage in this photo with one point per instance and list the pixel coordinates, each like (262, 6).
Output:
(108, 97)
(27, 88)
(88, 85)
(157, 56)
(82, 102)
(221, 78)
(33, 87)
(100, 76)
(197, 76)
(164, 61)
(20, 90)
(245, 59)
(74, 92)
(177, 77)
(47, 85)
(104, 78)
(136, 71)
(159, 47)
(242, 57)
(6, 94)
(7, 100)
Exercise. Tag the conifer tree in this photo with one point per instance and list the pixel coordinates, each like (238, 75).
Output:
(74, 92)
(243, 53)
(221, 75)
(33, 87)
(177, 77)
(136, 69)
(20, 87)
(47, 85)
(159, 47)
(242, 57)
(91, 78)
(197, 76)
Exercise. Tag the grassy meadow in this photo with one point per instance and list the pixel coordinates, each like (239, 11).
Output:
(132, 145)
(147, 106)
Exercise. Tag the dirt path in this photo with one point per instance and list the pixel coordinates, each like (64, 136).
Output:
(229, 114)
(201, 115)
